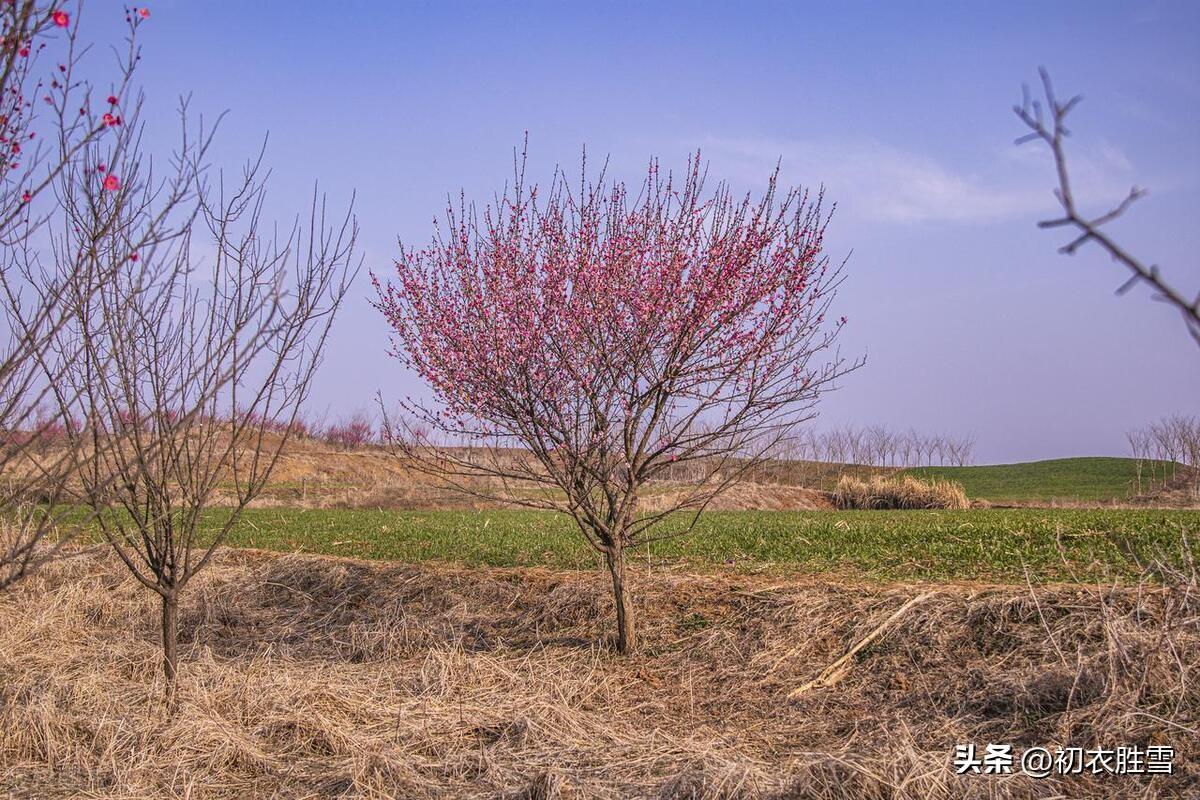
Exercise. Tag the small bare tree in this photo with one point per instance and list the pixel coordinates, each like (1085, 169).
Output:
(906, 446)
(856, 445)
(877, 442)
(189, 393)
(1139, 449)
(959, 449)
(1047, 123)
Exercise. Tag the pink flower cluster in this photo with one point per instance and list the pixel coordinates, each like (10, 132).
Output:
(356, 431)
(583, 304)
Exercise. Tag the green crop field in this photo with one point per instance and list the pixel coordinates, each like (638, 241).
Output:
(1064, 479)
(983, 544)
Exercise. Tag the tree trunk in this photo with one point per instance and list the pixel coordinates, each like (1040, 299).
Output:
(170, 644)
(626, 642)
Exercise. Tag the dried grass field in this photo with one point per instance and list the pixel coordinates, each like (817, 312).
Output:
(310, 676)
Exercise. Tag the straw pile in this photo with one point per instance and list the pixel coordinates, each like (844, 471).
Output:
(880, 492)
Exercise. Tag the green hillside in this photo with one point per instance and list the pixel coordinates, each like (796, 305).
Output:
(1086, 479)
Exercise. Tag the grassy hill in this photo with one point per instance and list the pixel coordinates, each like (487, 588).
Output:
(1084, 479)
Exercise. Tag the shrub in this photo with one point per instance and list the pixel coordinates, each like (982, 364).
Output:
(351, 433)
(880, 492)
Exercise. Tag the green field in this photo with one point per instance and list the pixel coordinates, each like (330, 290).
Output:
(1063, 479)
(987, 544)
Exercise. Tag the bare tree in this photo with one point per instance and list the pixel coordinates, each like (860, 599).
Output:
(875, 448)
(833, 447)
(856, 445)
(959, 449)
(54, 123)
(188, 394)
(1047, 123)
(908, 445)
(1139, 449)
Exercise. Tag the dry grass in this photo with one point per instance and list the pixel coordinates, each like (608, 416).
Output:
(314, 677)
(904, 492)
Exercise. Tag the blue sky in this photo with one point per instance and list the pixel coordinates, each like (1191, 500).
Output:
(971, 323)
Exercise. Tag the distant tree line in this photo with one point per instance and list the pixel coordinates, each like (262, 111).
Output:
(817, 457)
(879, 446)
(1161, 448)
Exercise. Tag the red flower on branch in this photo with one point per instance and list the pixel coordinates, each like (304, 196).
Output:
(112, 183)
(61, 18)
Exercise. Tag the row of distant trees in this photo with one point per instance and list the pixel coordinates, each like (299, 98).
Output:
(868, 445)
(880, 446)
(817, 457)
(1162, 447)
(812, 457)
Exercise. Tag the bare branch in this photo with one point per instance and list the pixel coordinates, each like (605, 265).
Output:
(1053, 132)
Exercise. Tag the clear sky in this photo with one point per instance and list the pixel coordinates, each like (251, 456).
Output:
(970, 321)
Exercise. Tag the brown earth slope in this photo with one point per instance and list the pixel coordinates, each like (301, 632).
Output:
(310, 474)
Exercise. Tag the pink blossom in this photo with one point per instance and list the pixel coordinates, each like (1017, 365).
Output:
(568, 321)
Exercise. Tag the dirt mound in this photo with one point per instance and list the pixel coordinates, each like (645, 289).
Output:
(316, 677)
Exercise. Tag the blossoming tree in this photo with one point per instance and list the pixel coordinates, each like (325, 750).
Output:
(578, 343)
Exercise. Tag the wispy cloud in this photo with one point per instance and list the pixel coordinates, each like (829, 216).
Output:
(879, 182)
